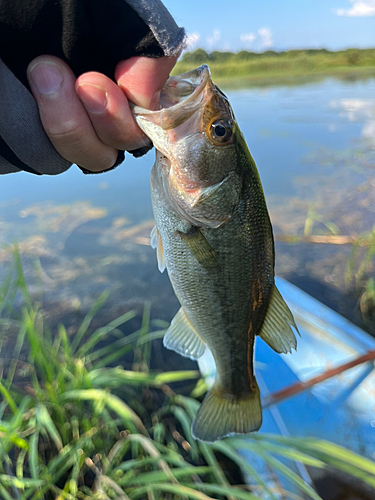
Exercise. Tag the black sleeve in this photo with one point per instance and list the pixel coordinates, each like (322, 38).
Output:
(90, 35)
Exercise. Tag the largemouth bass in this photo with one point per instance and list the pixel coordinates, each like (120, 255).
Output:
(214, 235)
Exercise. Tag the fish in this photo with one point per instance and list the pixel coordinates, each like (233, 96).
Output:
(214, 236)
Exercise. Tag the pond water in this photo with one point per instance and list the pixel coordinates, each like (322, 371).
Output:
(314, 145)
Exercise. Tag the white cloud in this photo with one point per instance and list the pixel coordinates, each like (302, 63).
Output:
(214, 38)
(247, 38)
(191, 40)
(266, 37)
(360, 8)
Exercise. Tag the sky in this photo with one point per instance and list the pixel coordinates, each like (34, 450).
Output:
(275, 24)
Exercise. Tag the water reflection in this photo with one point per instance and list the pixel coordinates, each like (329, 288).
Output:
(359, 110)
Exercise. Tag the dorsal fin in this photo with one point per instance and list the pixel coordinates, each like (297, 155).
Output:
(276, 329)
(183, 338)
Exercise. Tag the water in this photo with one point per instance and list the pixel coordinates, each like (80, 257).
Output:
(314, 146)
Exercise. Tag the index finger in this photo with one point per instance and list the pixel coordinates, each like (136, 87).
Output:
(142, 78)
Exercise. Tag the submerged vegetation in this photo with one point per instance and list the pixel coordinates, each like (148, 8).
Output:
(360, 270)
(254, 66)
(74, 425)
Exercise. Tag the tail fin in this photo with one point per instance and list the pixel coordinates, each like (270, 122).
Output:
(221, 414)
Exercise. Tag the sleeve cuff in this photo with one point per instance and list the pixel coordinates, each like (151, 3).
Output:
(120, 159)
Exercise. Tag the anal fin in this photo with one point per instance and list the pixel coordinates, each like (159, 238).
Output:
(277, 326)
(182, 337)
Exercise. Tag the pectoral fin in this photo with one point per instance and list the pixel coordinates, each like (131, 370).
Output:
(182, 337)
(201, 248)
(158, 245)
(276, 329)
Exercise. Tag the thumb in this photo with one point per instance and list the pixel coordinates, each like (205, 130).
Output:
(142, 78)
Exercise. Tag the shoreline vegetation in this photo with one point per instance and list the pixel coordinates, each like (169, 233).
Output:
(85, 416)
(247, 68)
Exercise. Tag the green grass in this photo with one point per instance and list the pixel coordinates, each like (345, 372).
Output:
(73, 425)
(250, 67)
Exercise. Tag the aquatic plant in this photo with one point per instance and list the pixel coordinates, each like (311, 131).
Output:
(73, 425)
(360, 269)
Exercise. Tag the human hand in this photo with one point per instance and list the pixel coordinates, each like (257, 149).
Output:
(89, 119)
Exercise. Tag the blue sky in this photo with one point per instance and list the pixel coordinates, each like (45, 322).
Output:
(276, 24)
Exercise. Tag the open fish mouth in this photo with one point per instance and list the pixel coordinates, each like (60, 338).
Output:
(180, 97)
(180, 90)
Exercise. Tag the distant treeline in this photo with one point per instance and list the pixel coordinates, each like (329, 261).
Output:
(255, 64)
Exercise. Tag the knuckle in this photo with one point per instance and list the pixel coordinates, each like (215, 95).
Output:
(78, 143)
(70, 132)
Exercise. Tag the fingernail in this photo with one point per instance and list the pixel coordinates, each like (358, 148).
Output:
(47, 78)
(94, 98)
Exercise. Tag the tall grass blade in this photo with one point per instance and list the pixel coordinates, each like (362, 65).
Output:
(113, 402)
(160, 476)
(121, 347)
(117, 377)
(325, 450)
(4, 494)
(100, 333)
(229, 492)
(189, 492)
(286, 451)
(244, 465)
(87, 320)
(20, 463)
(8, 398)
(146, 346)
(21, 281)
(211, 460)
(16, 354)
(291, 475)
(33, 454)
(182, 416)
(44, 420)
(5, 288)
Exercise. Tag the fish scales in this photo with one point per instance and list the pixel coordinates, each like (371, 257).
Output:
(214, 232)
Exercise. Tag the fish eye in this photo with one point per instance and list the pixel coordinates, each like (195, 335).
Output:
(221, 131)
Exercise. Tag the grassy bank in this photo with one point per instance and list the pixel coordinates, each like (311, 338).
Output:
(252, 67)
(75, 425)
